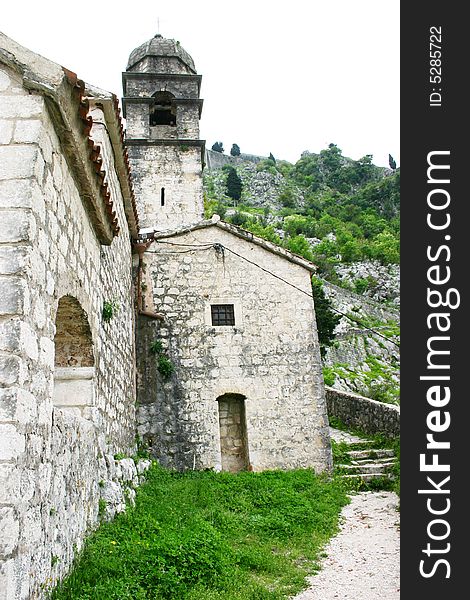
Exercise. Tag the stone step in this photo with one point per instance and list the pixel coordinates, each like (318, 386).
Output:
(360, 445)
(372, 453)
(370, 467)
(367, 476)
(378, 461)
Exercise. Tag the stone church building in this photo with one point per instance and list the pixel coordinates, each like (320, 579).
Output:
(124, 312)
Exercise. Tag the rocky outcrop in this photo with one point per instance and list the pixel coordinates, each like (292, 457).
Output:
(366, 356)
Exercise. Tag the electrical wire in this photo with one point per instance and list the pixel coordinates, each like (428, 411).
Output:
(309, 295)
(220, 247)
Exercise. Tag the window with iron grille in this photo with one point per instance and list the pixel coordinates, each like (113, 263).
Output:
(222, 314)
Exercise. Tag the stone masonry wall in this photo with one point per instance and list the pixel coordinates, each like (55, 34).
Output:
(362, 413)
(180, 87)
(271, 356)
(52, 462)
(216, 160)
(179, 172)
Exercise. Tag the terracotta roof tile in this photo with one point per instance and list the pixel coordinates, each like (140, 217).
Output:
(94, 150)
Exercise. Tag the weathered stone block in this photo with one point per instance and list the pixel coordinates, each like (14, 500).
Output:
(17, 405)
(21, 107)
(15, 193)
(17, 162)
(13, 259)
(10, 336)
(10, 370)
(46, 352)
(6, 131)
(9, 483)
(12, 443)
(8, 578)
(12, 295)
(16, 226)
(29, 341)
(27, 131)
(73, 386)
(9, 531)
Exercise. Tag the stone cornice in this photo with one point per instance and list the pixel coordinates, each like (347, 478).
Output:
(159, 77)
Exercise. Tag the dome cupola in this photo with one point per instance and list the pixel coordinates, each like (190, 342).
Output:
(161, 55)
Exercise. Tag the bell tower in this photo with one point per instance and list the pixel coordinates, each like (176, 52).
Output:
(162, 109)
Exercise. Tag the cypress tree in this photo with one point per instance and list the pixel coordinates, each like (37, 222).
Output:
(234, 184)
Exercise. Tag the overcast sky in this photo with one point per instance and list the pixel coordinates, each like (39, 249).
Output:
(280, 77)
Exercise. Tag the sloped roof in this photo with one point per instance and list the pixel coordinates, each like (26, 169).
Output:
(69, 105)
(240, 233)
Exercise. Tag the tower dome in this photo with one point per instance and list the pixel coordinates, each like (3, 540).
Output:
(161, 55)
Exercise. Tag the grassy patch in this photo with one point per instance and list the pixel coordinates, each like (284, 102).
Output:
(210, 536)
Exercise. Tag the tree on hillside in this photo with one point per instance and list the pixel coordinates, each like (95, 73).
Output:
(234, 184)
(235, 150)
(326, 318)
(271, 157)
(391, 162)
(218, 147)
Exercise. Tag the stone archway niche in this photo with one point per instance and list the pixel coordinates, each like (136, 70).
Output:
(74, 371)
(233, 434)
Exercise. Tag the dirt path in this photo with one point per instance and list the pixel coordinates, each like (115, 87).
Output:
(363, 559)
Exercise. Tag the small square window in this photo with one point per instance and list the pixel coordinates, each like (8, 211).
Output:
(222, 314)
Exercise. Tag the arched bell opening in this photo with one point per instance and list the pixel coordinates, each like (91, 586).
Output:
(163, 111)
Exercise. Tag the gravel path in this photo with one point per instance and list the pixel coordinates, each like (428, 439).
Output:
(363, 559)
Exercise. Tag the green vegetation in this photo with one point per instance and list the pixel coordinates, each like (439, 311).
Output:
(326, 318)
(234, 183)
(390, 329)
(164, 365)
(156, 347)
(375, 381)
(217, 147)
(329, 376)
(235, 150)
(101, 508)
(110, 309)
(210, 536)
(350, 206)
(377, 441)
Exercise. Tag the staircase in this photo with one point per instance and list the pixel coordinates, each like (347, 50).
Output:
(364, 462)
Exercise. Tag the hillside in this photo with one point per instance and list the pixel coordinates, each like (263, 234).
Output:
(344, 216)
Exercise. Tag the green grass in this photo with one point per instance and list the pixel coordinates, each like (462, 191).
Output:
(210, 536)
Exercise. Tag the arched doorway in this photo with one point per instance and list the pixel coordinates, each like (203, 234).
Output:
(74, 360)
(233, 434)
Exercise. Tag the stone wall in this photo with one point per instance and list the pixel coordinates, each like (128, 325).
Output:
(270, 357)
(179, 172)
(216, 160)
(52, 461)
(362, 413)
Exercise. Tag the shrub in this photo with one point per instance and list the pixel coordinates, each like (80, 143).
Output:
(110, 308)
(165, 366)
